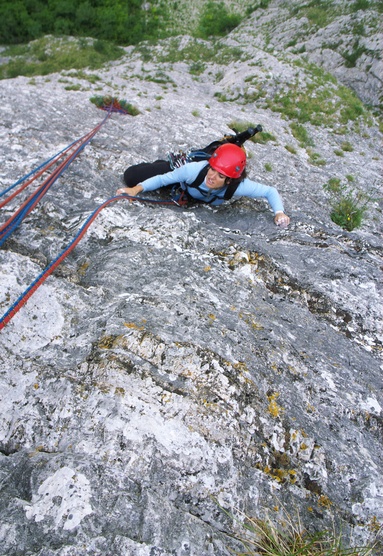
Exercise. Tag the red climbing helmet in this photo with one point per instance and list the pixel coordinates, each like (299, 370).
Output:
(229, 160)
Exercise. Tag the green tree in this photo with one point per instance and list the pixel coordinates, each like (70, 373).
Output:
(216, 20)
(15, 23)
(119, 21)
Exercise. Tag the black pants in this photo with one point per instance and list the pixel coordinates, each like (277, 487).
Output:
(140, 172)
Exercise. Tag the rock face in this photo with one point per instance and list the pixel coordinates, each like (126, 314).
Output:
(344, 40)
(181, 361)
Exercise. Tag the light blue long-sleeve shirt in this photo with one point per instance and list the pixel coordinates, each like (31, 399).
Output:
(187, 173)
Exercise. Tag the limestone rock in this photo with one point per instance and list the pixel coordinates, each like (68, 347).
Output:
(179, 361)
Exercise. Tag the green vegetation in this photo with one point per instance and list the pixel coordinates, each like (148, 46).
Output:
(159, 77)
(312, 97)
(320, 13)
(50, 55)
(301, 135)
(348, 213)
(290, 149)
(261, 137)
(196, 68)
(108, 101)
(315, 158)
(91, 77)
(348, 205)
(285, 535)
(352, 57)
(362, 5)
(268, 167)
(196, 52)
(333, 185)
(346, 146)
(117, 21)
(215, 20)
(126, 22)
(320, 101)
(290, 538)
(260, 4)
(122, 22)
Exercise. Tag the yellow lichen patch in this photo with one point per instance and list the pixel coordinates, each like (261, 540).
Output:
(36, 451)
(255, 258)
(166, 398)
(293, 370)
(274, 409)
(83, 268)
(211, 316)
(210, 405)
(324, 501)
(133, 326)
(207, 268)
(281, 475)
(106, 342)
(374, 524)
(243, 370)
(186, 373)
(249, 319)
(103, 387)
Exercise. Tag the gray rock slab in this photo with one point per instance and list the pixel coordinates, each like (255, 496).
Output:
(180, 361)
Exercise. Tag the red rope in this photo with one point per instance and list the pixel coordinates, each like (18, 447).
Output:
(46, 184)
(40, 191)
(38, 174)
(20, 302)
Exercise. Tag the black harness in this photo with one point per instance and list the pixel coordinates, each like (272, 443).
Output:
(229, 192)
(204, 154)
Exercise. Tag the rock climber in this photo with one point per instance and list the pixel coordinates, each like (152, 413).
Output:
(210, 181)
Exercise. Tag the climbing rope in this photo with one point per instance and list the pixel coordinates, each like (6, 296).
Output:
(110, 105)
(107, 103)
(29, 204)
(4, 320)
(62, 160)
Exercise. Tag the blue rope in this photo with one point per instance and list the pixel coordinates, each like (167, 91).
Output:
(16, 223)
(32, 172)
(56, 261)
(43, 164)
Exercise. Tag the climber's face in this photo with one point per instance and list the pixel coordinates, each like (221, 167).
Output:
(215, 180)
